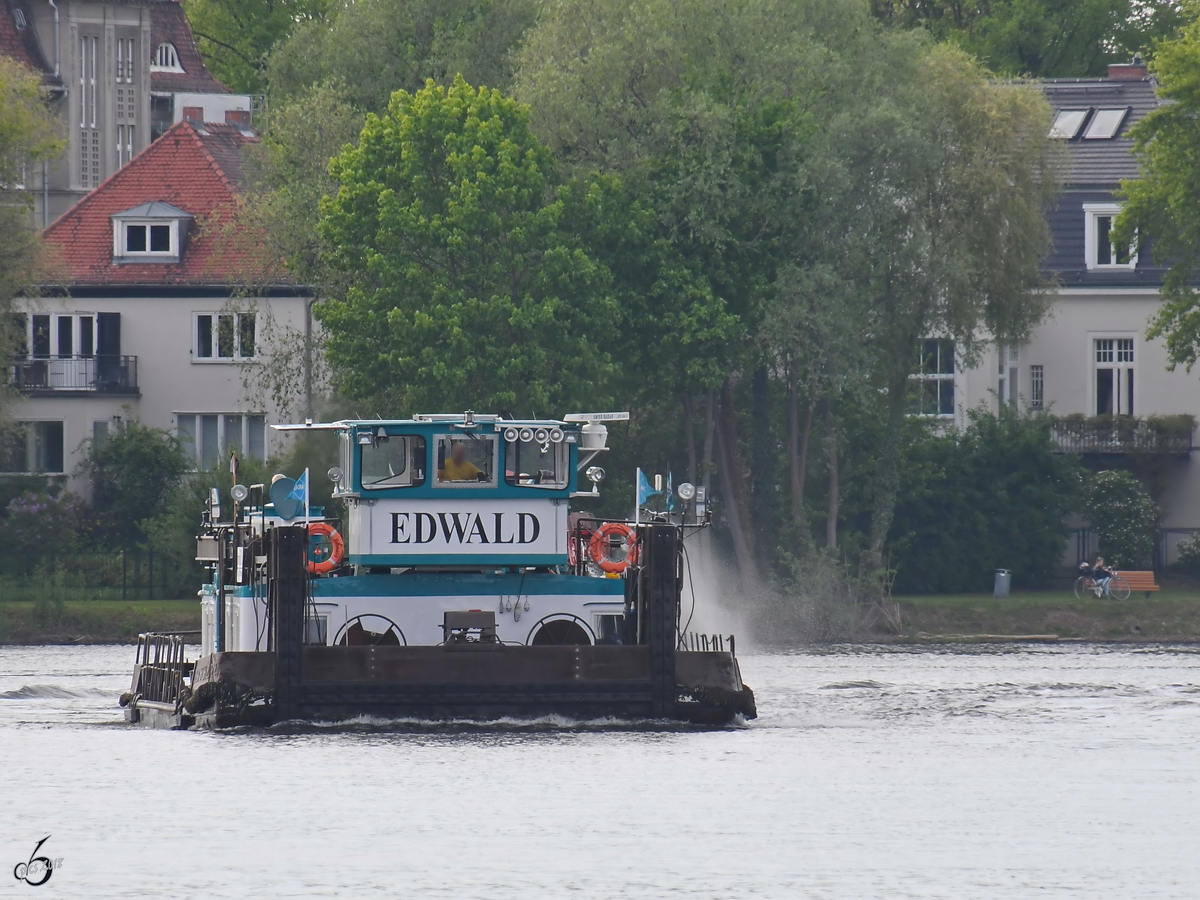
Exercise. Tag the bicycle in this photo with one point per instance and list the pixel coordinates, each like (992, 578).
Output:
(1118, 587)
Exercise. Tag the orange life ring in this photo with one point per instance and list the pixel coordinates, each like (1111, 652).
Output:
(598, 546)
(316, 565)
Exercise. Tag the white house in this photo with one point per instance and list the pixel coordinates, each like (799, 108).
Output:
(1091, 357)
(152, 322)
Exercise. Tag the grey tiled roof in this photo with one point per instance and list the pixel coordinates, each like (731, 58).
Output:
(1102, 162)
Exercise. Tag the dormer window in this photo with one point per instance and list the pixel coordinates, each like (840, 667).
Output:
(1100, 251)
(166, 59)
(152, 232)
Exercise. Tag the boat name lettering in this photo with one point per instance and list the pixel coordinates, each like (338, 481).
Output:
(464, 528)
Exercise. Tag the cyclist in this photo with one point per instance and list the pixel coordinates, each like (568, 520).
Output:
(1103, 576)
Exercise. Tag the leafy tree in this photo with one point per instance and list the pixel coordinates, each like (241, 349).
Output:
(1040, 38)
(370, 48)
(132, 472)
(27, 138)
(995, 495)
(1163, 206)
(1124, 517)
(467, 290)
(235, 36)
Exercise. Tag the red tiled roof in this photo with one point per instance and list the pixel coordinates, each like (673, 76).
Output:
(168, 24)
(198, 171)
(22, 44)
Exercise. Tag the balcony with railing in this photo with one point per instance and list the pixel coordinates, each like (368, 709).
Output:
(1152, 435)
(75, 374)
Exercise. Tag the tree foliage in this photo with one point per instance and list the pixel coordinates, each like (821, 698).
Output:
(28, 137)
(1122, 514)
(468, 289)
(1163, 205)
(995, 495)
(236, 36)
(132, 473)
(370, 48)
(1039, 38)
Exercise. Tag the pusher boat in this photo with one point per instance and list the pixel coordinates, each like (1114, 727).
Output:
(458, 585)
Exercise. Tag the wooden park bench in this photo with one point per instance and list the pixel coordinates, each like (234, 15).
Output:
(1140, 581)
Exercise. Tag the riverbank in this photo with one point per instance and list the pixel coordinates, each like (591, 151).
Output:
(1033, 615)
(93, 621)
(1046, 615)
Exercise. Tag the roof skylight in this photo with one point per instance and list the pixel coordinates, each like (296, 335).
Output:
(1105, 124)
(1067, 123)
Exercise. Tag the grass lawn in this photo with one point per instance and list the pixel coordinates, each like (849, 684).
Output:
(94, 621)
(1166, 615)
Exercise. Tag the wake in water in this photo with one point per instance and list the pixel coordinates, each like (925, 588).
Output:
(52, 692)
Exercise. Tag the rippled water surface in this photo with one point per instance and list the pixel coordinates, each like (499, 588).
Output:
(1001, 772)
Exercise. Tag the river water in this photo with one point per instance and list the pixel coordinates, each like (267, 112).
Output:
(991, 772)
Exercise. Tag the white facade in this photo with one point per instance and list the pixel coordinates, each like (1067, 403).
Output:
(165, 379)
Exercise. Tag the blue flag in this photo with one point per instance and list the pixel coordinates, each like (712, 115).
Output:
(644, 490)
(300, 491)
(670, 493)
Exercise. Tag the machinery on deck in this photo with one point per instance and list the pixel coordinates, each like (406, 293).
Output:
(457, 585)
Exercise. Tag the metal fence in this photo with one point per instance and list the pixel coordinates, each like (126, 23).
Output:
(1166, 546)
(120, 575)
(110, 374)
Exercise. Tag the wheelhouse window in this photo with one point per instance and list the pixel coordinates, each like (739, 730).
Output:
(466, 460)
(931, 386)
(1098, 245)
(391, 460)
(225, 336)
(533, 464)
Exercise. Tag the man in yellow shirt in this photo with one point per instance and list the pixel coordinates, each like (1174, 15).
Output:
(457, 467)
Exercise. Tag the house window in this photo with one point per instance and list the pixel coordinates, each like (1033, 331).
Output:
(1105, 124)
(1101, 253)
(1009, 383)
(225, 336)
(137, 241)
(1067, 123)
(166, 59)
(932, 385)
(1114, 376)
(34, 447)
(89, 127)
(1037, 389)
(208, 438)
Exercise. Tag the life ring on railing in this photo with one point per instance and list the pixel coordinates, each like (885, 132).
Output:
(599, 544)
(317, 561)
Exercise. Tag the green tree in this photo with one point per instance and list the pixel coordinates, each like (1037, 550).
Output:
(1040, 38)
(1122, 514)
(27, 139)
(467, 290)
(1162, 207)
(132, 473)
(235, 36)
(995, 495)
(370, 48)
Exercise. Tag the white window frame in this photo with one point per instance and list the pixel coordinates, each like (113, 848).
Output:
(1037, 387)
(1117, 363)
(1093, 212)
(215, 358)
(120, 240)
(222, 455)
(1009, 371)
(939, 377)
(166, 58)
(29, 450)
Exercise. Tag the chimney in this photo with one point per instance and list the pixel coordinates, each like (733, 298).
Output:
(1134, 70)
(238, 117)
(194, 115)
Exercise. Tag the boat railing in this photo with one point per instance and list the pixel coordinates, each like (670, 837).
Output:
(160, 667)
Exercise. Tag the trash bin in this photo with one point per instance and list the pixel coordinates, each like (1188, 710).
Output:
(1003, 580)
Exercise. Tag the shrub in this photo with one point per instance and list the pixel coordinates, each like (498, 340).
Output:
(38, 525)
(995, 495)
(1123, 517)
